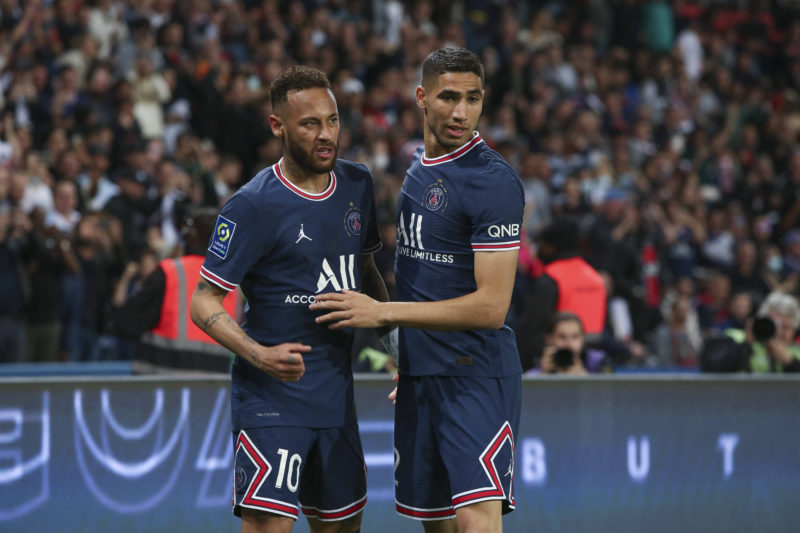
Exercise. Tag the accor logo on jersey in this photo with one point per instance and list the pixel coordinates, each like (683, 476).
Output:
(353, 221)
(435, 197)
(330, 279)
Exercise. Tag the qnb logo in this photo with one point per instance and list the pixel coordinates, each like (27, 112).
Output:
(411, 235)
(346, 277)
(503, 230)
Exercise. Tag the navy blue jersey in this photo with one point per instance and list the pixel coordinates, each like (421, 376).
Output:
(283, 246)
(450, 207)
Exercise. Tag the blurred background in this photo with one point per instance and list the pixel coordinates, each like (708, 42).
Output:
(658, 147)
(666, 131)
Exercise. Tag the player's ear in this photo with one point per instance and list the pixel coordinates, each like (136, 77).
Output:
(276, 124)
(421, 99)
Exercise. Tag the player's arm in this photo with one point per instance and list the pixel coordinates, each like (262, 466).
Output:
(485, 308)
(372, 283)
(283, 362)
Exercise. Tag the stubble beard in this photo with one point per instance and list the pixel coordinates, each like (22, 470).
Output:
(439, 132)
(305, 160)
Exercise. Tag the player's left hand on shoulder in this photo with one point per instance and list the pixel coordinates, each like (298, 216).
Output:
(346, 309)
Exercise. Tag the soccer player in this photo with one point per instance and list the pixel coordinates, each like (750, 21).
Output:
(300, 227)
(458, 236)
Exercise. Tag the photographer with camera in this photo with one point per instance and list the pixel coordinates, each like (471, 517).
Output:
(771, 335)
(564, 345)
(567, 283)
(766, 344)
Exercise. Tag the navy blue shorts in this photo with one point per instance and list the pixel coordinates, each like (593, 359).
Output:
(454, 443)
(280, 469)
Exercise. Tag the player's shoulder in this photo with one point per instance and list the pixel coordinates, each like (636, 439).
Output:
(254, 190)
(493, 166)
(352, 171)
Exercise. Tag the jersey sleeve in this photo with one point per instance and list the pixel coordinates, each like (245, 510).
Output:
(235, 245)
(494, 203)
(372, 237)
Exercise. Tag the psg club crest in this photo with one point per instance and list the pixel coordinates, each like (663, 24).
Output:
(240, 477)
(353, 221)
(435, 197)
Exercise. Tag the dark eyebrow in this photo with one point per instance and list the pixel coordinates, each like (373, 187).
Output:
(448, 92)
(452, 93)
(312, 117)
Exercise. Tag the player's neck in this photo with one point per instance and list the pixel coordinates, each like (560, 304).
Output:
(311, 183)
(433, 149)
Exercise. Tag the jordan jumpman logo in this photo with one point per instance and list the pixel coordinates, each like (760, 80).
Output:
(302, 235)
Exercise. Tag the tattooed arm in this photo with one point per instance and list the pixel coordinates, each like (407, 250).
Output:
(283, 362)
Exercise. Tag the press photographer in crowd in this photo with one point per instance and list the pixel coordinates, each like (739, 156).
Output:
(564, 345)
(767, 343)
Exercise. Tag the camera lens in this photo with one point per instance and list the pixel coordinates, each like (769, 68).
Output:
(763, 328)
(563, 358)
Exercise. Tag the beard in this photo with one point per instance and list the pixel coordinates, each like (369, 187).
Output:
(305, 159)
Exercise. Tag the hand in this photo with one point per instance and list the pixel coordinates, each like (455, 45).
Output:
(749, 338)
(393, 395)
(348, 309)
(131, 270)
(283, 362)
(779, 351)
(546, 364)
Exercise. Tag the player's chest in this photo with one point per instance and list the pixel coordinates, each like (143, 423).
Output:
(317, 230)
(430, 211)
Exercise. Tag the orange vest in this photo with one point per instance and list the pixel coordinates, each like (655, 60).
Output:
(175, 329)
(581, 291)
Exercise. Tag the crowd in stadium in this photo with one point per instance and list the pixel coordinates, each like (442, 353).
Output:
(667, 131)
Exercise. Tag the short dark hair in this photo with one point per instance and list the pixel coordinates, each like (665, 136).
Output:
(446, 60)
(297, 78)
(562, 234)
(561, 317)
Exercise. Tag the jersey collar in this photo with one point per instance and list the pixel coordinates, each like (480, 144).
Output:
(455, 154)
(300, 192)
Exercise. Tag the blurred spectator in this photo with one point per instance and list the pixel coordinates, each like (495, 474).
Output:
(568, 283)
(96, 189)
(150, 93)
(747, 274)
(714, 302)
(676, 344)
(132, 207)
(564, 345)
(48, 259)
(766, 344)
(157, 313)
(13, 283)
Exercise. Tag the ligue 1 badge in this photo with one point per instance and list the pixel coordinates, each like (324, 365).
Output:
(221, 239)
(353, 221)
(435, 197)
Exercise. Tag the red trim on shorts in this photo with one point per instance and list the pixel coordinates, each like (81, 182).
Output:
(496, 491)
(423, 514)
(339, 514)
(263, 470)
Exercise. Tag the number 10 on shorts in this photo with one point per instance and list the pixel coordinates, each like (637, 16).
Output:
(292, 474)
